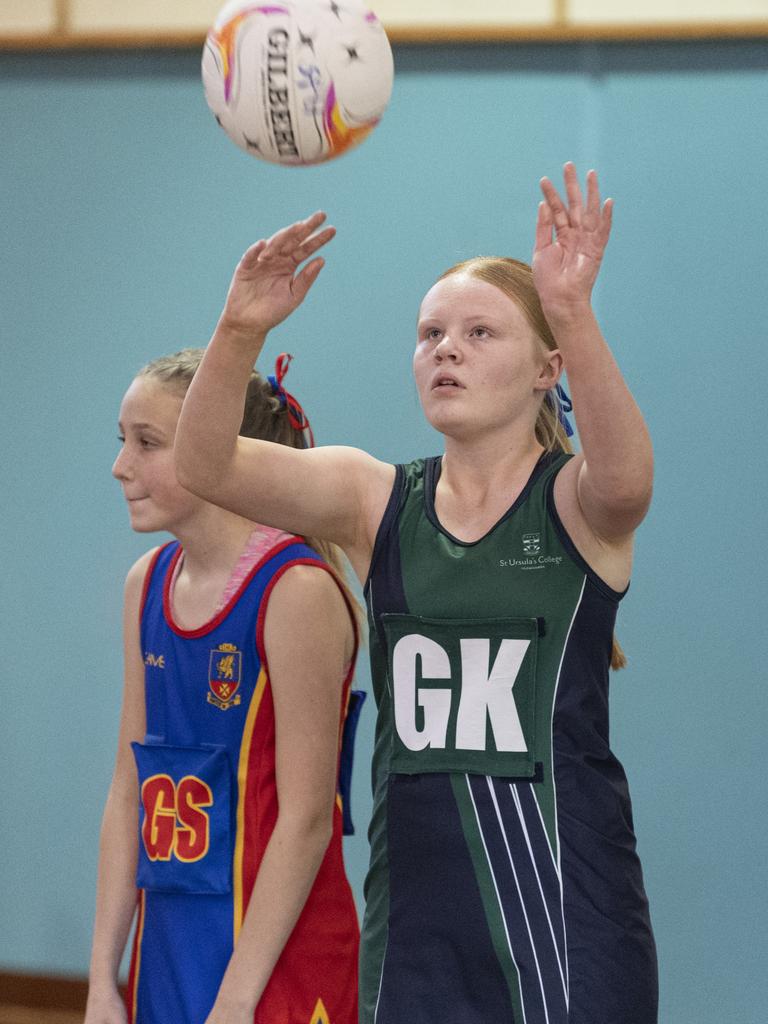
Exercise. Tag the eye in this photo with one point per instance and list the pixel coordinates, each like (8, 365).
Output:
(479, 332)
(432, 334)
(121, 439)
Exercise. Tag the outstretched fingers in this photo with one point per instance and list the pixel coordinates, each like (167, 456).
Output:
(543, 227)
(306, 278)
(555, 204)
(606, 219)
(313, 243)
(286, 241)
(251, 254)
(292, 245)
(593, 197)
(573, 192)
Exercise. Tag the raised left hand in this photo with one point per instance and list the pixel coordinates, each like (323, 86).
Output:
(269, 282)
(565, 267)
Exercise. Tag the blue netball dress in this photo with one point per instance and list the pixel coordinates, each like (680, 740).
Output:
(504, 885)
(208, 806)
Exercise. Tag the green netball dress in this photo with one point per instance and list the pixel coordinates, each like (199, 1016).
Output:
(504, 886)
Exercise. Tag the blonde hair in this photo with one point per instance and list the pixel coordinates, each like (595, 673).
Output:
(264, 418)
(515, 279)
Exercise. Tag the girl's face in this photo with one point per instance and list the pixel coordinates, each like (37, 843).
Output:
(478, 363)
(148, 416)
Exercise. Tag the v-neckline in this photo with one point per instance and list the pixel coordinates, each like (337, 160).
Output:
(432, 471)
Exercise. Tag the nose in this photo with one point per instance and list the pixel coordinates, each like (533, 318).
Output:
(445, 349)
(121, 466)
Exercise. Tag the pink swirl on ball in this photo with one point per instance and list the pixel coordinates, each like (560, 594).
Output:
(339, 135)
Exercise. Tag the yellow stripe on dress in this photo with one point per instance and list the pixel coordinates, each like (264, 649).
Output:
(242, 779)
(139, 937)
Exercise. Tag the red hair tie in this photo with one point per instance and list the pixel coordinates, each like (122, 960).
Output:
(296, 415)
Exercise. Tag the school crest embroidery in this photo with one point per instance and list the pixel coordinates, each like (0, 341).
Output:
(224, 673)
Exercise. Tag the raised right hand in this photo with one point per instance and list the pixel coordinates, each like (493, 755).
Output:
(267, 284)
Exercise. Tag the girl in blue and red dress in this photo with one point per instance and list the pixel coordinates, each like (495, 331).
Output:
(240, 644)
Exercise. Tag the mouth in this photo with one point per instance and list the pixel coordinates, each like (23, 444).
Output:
(445, 381)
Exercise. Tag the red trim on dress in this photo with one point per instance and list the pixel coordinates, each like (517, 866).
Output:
(208, 627)
(319, 564)
(148, 577)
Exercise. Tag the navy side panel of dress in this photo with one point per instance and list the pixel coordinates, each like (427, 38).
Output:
(611, 950)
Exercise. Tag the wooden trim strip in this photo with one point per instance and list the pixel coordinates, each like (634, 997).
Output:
(413, 35)
(53, 992)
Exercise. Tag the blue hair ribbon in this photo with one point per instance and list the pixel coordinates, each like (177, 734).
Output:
(277, 390)
(562, 404)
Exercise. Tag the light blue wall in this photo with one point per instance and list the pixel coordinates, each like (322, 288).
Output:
(123, 211)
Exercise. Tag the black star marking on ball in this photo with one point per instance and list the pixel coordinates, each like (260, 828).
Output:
(352, 53)
(251, 144)
(306, 41)
(218, 121)
(335, 9)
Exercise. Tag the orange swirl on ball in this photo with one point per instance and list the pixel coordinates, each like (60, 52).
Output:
(224, 39)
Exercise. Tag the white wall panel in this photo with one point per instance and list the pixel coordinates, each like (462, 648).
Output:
(621, 12)
(164, 18)
(141, 15)
(22, 16)
(459, 12)
(189, 15)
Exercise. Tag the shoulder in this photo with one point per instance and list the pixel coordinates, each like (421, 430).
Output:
(133, 597)
(138, 571)
(410, 478)
(307, 619)
(306, 590)
(137, 575)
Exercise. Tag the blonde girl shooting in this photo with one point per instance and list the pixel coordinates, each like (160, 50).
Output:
(504, 883)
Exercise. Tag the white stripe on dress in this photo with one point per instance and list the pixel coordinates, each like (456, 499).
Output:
(519, 809)
(498, 896)
(489, 782)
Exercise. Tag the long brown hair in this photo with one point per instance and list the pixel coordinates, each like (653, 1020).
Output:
(515, 279)
(264, 418)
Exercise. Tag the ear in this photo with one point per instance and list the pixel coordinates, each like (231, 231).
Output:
(551, 370)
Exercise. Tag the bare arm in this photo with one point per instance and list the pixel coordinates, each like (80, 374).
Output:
(116, 887)
(609, 484)
(309, 642)
(335, 493)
